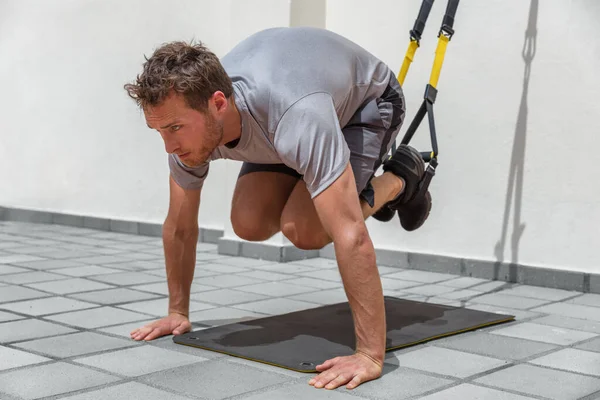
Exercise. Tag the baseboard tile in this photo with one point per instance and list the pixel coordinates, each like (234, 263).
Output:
(492, 270)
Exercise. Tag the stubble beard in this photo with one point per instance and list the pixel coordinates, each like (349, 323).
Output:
(214, 136)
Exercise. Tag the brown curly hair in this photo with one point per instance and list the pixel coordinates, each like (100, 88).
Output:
(190, 69)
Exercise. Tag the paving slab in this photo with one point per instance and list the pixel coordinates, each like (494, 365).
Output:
(537, 292)
(399, 383)
(430, 290)
(223, 316)
(26, 329)
(508, 301)
(124, 330)
(51, 380)
(570, 310)
(467, 391)
(126, 391)
(162, 288)
(322, 284)
(30, 277)
(52, 305)
(570, 323)
(9, 269)
(167, 343)
(303, 391)
(12, 293)
(160, 307)
(538, 381)
(49, 264)
(74, 344)
(275, 288)
(574, 360)
(215, 379)
(588, 299)
(332, 275)
(114, 296)
(221, 268)
(138, 361)
(518, 314)
(86, 271)
(275, 306)
(127, 278)
(226, 297)
(448, 362)
(304, 270)
(8, 316)
(97, 317)
(421, 276)
(11, 358)
(592, 345)
(542, 333)
(67, 286)
(18, 258)
(322, 297)
(496, 346)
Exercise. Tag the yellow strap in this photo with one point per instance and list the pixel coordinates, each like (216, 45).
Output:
(439, 60)
(410, 55)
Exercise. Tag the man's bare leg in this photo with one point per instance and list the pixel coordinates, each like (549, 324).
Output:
(300, 222)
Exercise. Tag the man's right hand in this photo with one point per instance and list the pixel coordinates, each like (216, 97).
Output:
(175, 324)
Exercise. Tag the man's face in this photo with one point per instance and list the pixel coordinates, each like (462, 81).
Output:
(189, 133)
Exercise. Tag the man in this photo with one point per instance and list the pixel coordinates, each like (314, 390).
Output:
(312, 115)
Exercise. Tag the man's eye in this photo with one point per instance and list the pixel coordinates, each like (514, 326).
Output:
(175, 127)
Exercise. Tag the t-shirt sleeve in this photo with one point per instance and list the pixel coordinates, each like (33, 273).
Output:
(309, 139)
(187, 177)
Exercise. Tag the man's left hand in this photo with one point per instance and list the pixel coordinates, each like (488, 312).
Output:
(349, 370)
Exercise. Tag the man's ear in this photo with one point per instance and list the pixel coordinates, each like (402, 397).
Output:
(220, 102)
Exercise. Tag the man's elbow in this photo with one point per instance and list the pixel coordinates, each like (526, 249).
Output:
(354, 237)
(173, 230)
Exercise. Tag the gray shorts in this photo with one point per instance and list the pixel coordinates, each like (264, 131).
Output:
(369, 135)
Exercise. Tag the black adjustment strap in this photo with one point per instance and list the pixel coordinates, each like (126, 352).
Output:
(421, 20)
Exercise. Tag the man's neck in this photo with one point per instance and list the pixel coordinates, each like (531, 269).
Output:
(232, 124)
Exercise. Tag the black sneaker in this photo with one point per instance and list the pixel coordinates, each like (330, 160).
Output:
(413, 208)
(384, 214)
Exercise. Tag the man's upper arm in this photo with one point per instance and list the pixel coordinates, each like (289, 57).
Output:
(185, 185)
(184, 205)
(309, 139)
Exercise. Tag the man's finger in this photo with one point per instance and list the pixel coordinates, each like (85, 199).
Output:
(357, 380)
(340, 380)
(325, 378)
(327, 364)
(156, 332)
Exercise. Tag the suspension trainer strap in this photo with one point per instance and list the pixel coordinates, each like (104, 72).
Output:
(415, 38)
(444, 36)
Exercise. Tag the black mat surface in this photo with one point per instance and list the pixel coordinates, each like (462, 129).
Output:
(302, 340)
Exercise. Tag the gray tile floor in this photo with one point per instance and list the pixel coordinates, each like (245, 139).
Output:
(69, 298)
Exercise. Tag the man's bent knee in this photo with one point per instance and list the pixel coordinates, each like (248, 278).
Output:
(251, 228)
(305, 238)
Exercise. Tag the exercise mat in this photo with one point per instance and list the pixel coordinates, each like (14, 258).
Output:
(301, 340)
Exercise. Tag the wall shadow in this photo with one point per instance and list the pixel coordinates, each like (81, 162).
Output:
(514, 191)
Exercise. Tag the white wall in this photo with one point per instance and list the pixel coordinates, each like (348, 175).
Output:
(549, 180)
(71, 141)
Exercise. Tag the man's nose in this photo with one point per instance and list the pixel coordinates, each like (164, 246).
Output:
(171, 145)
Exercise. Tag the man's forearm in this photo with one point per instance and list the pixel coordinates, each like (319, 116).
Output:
(180, 259)
(358, 268)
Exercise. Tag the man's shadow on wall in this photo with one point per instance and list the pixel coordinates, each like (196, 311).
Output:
(514, 190)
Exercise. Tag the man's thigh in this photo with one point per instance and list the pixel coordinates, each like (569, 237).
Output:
(259, 197)
(370, 134)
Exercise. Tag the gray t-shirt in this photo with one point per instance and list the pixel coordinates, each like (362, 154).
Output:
(295, 88)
